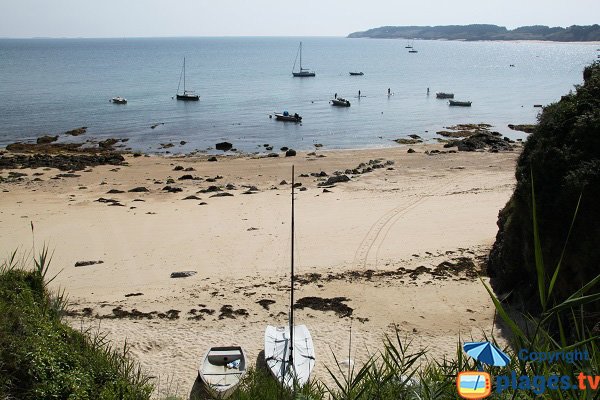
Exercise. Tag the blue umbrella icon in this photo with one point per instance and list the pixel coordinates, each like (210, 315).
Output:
(487, 353)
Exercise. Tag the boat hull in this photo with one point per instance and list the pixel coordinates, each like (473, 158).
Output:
(288, 118)
(188, 97)
(442, 95)
(119, 100)
(356, 73)
(340, 103)
(459, 103)
(303, 74)
(220, 379)
(277, 355)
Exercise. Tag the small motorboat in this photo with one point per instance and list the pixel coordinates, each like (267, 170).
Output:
(340, 102)
(459, 103)
(119, 100)
(442, 95)
(413, 51)
(287, 117)
(357, 73)
(222, 369)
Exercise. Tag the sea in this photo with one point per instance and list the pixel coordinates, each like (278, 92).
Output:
(48, 86)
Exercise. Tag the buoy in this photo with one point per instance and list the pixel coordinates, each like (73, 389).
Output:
(270, 116)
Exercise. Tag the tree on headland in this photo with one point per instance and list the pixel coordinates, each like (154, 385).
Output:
(563, 157)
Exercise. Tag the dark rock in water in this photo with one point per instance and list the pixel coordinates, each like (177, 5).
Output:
(172, 189)
(317, 145)
(192, 197)
(138, 189)
(178, 168)
(265, 303)
(335, 179)
(63, 162)
(182, 143)
(407, 141)
(166, 145)
(86, 263)
(224, 146)
(272, 155)
(212, 159)
(223, 194)
(480, 141)
(269, 148)
(115, 191)
(183, 274)
(413, 136)
(284, 148)
(108, 143)
(77, 132)
(290, 153)
(46, 139)
(527, 128)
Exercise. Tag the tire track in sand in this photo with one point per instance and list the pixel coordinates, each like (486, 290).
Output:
(379, 231)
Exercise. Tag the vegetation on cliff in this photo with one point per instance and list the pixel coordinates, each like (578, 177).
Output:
(563, 157)
(575, 33)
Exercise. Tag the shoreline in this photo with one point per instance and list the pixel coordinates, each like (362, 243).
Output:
(396, 245)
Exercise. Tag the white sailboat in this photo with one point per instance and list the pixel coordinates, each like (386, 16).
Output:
(289, 350)
(303, 73)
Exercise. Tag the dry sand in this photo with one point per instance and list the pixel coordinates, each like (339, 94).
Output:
(368, 239)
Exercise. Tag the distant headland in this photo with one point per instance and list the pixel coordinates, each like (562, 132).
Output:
(575, 33)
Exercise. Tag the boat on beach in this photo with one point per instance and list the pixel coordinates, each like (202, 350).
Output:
(303, 72)
(459, 103)
(289, 350)
(287, 117)
(222, 369)
(340, 102)
(442, 95)
(187, 95)
(356, 73)
(119, 100)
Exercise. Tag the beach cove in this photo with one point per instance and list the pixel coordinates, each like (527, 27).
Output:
(398, 245)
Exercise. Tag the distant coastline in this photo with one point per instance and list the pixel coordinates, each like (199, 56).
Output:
(575, 33)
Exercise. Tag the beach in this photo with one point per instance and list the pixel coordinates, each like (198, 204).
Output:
(398, 246)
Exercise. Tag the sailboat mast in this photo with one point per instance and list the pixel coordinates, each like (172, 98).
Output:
(300, 56)
(291, 358)
(183, 75)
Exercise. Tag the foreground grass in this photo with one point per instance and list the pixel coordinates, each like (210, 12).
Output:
(42, 358)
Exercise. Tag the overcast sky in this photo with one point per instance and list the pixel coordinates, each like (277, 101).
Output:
(143, 18)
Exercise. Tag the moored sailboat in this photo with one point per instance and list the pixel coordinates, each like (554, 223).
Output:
(304, 72)
(187, 95)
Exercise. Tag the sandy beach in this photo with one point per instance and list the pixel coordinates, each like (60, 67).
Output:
(401, 245)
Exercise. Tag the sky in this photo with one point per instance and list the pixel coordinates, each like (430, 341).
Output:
(158, 18)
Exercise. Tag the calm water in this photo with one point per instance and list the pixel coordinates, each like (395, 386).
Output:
(49, 86)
